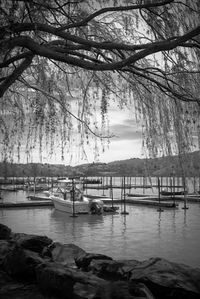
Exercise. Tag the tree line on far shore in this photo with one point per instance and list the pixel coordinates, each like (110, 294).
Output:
(164, 166)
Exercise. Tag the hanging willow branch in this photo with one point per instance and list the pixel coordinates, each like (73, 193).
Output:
(56, 52)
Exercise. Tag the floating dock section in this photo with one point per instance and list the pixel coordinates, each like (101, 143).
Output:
(28, 204)
(143, 201)
(48, 203)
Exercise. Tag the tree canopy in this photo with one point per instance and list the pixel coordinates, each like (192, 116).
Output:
(61, 60)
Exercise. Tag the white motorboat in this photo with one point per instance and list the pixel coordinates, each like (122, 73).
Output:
(69, 198)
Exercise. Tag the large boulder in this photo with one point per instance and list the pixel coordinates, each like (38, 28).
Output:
(167, 279)
(66, 282)
(21, 263)
(64, 253)
(111, 269)
(123, 290)
(32, 242)
(12, 289)
(5, 232)
(6, 247)
(84, 260)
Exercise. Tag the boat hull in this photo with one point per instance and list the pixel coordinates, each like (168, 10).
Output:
(67, 206)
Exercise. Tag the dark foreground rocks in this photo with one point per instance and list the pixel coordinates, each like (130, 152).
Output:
(35, 267)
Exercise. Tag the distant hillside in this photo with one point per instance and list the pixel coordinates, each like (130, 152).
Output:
(165, 166)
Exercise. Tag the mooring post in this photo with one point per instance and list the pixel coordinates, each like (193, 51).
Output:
(73, 199)
(34, 186)
(185, 198)
(111, 190)
(130, 185)
(103, 186)
(124, 195)
(174, 182)
(159, 209)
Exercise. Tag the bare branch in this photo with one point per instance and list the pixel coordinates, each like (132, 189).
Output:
(15, 75)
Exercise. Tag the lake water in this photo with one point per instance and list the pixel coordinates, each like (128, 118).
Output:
(173, 234)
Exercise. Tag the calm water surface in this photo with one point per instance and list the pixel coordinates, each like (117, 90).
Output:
(144, 233)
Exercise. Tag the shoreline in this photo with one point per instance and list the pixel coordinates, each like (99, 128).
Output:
(37, 267)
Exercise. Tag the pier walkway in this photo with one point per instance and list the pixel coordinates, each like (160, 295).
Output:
(26, 204)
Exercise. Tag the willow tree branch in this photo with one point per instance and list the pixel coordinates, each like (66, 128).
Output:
(15, 74)
(45, 51)
(13, 59)
(65, 109)
(169, 90)
(99, 12)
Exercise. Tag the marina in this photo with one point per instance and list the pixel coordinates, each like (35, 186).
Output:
(144, 233)
(143, 225)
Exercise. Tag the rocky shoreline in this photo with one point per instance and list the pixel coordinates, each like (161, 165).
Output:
(35, 267)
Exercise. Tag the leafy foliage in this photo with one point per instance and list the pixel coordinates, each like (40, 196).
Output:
(62, 61)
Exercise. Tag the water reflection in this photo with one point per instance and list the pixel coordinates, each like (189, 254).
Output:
(159, 223)
(174, 220)
(75, 226)
(172, 234)
(124, 223)
(184, 218)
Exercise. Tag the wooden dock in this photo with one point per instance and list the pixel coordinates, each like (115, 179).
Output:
(48, 203)
(28, 204)
(36, 197)
(189, 197)
(153, 201)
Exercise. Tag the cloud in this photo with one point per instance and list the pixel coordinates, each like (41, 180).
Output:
(121, 150)
(126, 131)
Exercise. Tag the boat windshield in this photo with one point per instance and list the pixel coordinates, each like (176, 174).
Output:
(68, 186)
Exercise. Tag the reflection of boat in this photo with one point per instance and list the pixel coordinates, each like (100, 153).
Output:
(69, 198)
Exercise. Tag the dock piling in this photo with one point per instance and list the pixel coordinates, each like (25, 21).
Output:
(73, 199)
(124, 212)
(159, 209)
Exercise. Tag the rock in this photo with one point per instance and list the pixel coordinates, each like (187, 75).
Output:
(83, 261)
(168, 280)
(112, 270)
(65, 282)
(11, 289)
(32, 242)
(5, 232)
(21, 263)
(140, 290)
(5, 247)
(119, 290)
(65, 253)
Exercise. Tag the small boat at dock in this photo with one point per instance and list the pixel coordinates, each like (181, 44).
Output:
(69, 198)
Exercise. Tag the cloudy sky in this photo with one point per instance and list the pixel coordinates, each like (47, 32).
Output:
(126, 144)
